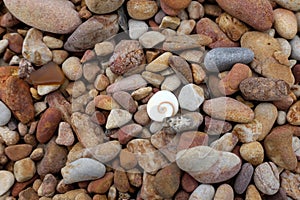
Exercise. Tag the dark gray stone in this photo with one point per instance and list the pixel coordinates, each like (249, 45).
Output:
(222, 59)
(243, 178)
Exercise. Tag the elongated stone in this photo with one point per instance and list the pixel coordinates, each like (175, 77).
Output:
(207, 165)
(129, 83)
(64, 18)
(222, 59)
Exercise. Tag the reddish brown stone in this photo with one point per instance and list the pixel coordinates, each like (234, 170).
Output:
(18, 152)
(48, 124)
(8, 54)
(21, 105)
(15, 41)
(188, 183)
(191, 139)
(296, 72)
(18, 187)
(121, 181)
(5, 73)
(209, 28)
(8, 20)
(101, 185)
(168, 10)
(182, 195)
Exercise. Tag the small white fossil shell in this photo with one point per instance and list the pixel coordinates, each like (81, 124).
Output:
(161, 105)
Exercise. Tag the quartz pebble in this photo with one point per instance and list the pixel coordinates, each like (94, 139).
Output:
(8, 136)
(64, 17)
(203, 191)
(191, 97)
(34, 49)
(6, 181)
(207, 165)
(266, 178)
(136, 28)
(117, 118)
(229, 56)
(46, 89)
(5, 114)
(82, 169)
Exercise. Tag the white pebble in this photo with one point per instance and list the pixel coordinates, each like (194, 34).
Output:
(6, 181)
(281, 118)
(136, 28)
(3, 45)
(46, 89)
(5, 114)
(191, 97)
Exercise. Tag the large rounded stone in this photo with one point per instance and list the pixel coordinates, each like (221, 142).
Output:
(7, 179)
(207, 165)
(64, 18)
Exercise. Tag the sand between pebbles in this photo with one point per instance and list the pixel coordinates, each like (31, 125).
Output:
(139, 99)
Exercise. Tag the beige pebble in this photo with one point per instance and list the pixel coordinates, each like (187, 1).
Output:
(141, 9)
(59, 56)
(24, 169)
(195, 10)
(72, 68)
(170, 22)
(52, 42)
(252, 193)
(46, 89)
(160, 63)
(285, 23)
(281, 118)
(141, 93)
(104, 48)
(101, 82)
(224, 192)
(252, 152)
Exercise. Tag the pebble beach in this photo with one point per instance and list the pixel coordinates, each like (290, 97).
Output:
(149, 100)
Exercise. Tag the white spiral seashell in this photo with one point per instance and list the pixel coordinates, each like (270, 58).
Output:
(161, 105)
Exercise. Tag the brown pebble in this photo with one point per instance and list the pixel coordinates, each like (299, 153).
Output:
(101, 185)
(15, 42)
(141, 9)
(128, 160)
(121, 181)
(209, 28)
(188, 183)
(18, 187)
(168, 10)
(8, 20)
(28, 193)
(264, 89)
(48, 124)
(21, 105)
(18, 152)
(50, 73)
(177, 4)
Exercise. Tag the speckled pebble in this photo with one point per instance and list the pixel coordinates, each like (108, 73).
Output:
(285, 23)
(293, 115)
(65, 134)
(243, 178)
(252, 152)
(289, 4)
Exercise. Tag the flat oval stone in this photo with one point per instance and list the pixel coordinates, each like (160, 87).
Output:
(227, 108)
(83, 169)
(222, 59)
(181, 68)
(103, 6)
(141, 9)
(256, 13)
(48, 124)
(17, 152)
(7, 180)
(285, 23)
(64, 18)
(104, 152)
(207, 165)
(93, 31)
(264, 89)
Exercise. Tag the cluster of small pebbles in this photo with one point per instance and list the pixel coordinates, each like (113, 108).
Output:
(150, 99)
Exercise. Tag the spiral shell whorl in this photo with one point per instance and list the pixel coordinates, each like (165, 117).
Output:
(161, 105)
